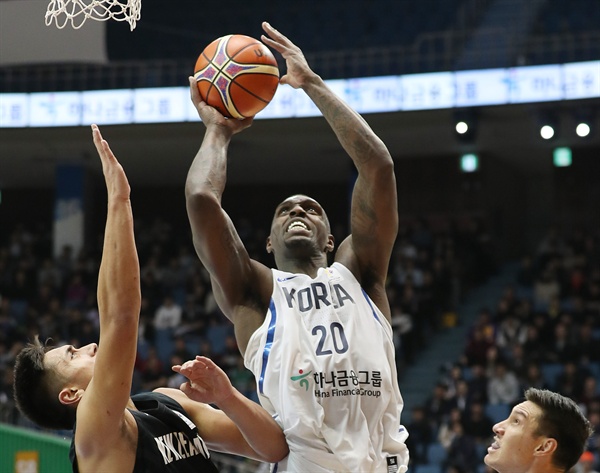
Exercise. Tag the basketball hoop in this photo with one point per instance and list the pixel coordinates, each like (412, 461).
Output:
(78, 11)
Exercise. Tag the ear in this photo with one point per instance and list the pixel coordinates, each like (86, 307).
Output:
(70, 396)
(547, 447)
(330, 244)
(269, 246)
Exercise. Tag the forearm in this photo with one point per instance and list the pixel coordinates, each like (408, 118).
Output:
(119, 276)
(208, 172)
(353, 132)
(257, 427)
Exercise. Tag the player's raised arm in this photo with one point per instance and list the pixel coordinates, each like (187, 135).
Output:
(101, 411)
(216, 240)
(374, 218)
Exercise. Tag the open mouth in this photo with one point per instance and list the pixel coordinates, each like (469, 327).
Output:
(296, 226)
(493, 446)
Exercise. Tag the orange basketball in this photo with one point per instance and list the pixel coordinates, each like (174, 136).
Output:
(237, 74)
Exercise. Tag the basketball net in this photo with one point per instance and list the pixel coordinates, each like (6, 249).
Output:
(78, 11)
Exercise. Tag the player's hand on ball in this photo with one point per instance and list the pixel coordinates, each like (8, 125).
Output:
(207, 382)
(211, 116)
(298, 71)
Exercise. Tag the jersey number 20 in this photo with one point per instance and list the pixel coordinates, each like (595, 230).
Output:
(334, 337)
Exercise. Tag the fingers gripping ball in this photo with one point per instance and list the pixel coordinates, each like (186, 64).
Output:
(237, 75)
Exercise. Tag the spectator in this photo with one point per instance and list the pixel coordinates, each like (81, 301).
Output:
(533, 378)
(462, 397)
(153, 373)
(437, 406)
(404, 342)
(511, 333)
(503, 386)
(594, 418)
(173, 280)
(421, 436)
(451, 380)
(446, 431)
(478, 384)
(168, 315)
(570, 382)
(462, 452)
(561, 348)
(181, 351)
(477, 347)
(517, 361)
(545, 288)
(586, 464)
(587, 348)
(526, 272)
(590, 393)
(477, 424)
(534, 347)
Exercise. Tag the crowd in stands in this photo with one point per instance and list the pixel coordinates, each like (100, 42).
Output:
(55, 297)
(543, 332)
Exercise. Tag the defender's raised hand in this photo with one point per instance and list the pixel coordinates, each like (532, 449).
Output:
(117, 184)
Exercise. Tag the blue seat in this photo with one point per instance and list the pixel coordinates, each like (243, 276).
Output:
(164, 344)
(497, 412)
(595, 370)
(550, 373)
(436, 454)
(426, 469)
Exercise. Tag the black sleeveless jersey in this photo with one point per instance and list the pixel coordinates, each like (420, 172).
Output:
(168, 442)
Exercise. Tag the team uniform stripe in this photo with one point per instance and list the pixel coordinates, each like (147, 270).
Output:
(268, 345)
(370, 305)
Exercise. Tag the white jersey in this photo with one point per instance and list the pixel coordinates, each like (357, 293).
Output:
(324, 367)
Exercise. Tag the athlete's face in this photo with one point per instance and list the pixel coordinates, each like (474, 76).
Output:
(516, 442)
(300, 221)
(74, 365)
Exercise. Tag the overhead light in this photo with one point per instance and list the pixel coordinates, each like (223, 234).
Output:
(465, 125)
(548, 124)
(462, 127)
(582, 129)
(547, 131)
(584, 119)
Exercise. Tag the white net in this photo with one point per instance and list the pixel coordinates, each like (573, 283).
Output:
(76, 12)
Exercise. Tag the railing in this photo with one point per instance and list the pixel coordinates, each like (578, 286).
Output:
(430, 52)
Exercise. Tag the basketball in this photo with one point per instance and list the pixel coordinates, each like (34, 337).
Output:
(237, 75)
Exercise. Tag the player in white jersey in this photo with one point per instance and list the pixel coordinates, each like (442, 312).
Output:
(341, 388)
(318, 339)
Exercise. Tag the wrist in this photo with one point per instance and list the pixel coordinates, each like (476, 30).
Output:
(229, 400)
(219, 133)
(311, 79)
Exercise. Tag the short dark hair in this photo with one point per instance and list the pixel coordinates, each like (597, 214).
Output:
(35, 389)
(563, 421)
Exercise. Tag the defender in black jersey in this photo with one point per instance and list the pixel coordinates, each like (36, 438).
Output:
(167, 440)
(164, 431)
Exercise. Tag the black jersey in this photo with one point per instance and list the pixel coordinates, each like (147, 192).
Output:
(167, 440)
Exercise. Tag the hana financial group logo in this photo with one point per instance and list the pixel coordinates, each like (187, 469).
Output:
(302, 379)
